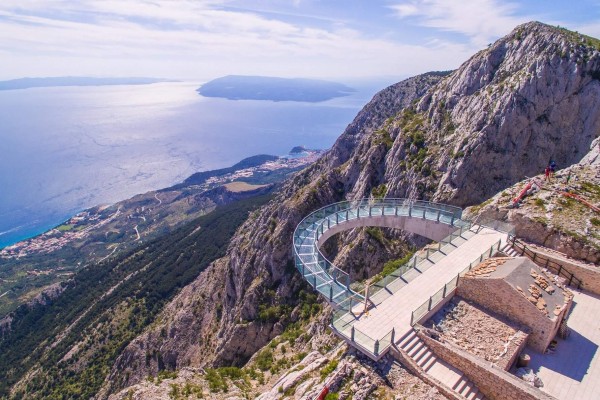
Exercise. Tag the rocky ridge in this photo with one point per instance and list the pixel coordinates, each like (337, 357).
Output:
(546, 216)
(458, 138)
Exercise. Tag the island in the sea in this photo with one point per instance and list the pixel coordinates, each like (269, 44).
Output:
(238, 87)
(26, 83)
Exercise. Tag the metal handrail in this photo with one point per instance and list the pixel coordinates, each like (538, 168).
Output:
(546, 262)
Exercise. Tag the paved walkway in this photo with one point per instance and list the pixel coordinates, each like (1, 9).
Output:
(395, 312)
(572, 371)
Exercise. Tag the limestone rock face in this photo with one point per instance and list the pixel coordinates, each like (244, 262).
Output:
(456, 137)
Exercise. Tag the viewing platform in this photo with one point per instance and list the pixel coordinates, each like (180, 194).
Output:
(383, 313)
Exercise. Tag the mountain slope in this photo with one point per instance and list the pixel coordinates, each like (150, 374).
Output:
(65, 348)
(458, 138)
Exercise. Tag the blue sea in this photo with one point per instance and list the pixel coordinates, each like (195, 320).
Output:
(65, 149)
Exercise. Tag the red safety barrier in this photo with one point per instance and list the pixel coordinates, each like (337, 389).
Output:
(323, 393)
(582, 200)
(523, 193)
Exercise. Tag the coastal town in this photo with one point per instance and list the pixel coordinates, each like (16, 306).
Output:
(83, 224)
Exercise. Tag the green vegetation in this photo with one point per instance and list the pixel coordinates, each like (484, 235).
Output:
(578, 38)
(591, 188)
(376, 234)
(476, 208)
(188, 390)
(458, 154)
(217, 377)
(271, 313)
(595, 221)
(329, 368)
(65, 227)
(332, 396)
(310, 306)
(382, 136)
(103, 324)
(567, 202)
(413, 126)
(539, 202)
(391, 266)
(264, 359)
(379, 192)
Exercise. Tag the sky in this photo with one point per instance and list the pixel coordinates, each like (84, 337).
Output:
(204, 39)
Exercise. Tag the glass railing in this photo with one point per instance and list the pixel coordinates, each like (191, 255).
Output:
(335, 285)
(393, 282)
(309, 260)
(448, 288)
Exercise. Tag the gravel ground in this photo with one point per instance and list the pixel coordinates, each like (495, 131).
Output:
(479, 332)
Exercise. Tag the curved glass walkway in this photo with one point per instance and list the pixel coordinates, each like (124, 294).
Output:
(397, 301)
(332, 282)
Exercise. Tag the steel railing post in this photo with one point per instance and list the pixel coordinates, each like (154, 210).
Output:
(352, 334)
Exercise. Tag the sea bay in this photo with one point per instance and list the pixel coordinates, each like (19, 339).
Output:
(64, 149)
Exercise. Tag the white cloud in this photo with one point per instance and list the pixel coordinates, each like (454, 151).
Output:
(195, 38)
(483, 21)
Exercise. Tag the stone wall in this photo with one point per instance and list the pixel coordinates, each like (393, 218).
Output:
(587, 273)
(500, 297)
(510, 362)
(413, 367)
(493, 382)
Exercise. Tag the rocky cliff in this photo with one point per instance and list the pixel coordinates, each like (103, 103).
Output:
(558, 212)
(457, 137)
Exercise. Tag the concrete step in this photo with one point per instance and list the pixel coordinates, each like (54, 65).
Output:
(406, 339)
(460, 384)
(416, 349)
(426, 358)
(421, 353)
(469, 390)
(427, 365)
(410, 345)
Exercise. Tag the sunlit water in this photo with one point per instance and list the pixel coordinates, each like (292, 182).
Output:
(66, 149)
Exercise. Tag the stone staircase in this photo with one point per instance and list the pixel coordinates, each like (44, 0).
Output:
(437, 368)
(509, 251)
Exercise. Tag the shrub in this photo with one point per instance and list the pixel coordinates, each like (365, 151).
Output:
(329, 368)
(264, 360)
